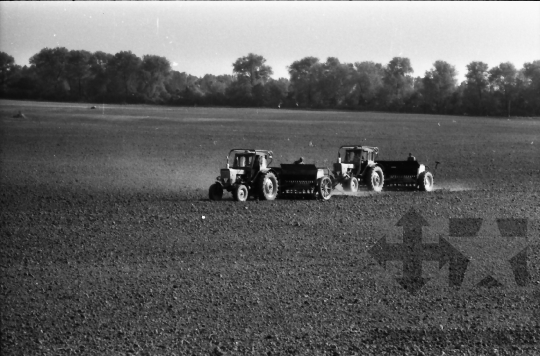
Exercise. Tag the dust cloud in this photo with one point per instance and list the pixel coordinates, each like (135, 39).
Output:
(453, 187)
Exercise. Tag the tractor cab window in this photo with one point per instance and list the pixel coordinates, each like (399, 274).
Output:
(260, 161)
(257, 164)
(242, 161)
(349, 156)
(355, 156)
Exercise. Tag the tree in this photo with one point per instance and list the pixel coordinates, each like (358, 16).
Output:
(416, 102)
(252, 67)
(8, 71)
(154, 72)
(368, 83)
(124, 67)
(503, 78)
(78, 68)
(304, 79)
(99, 78)
(477, 86)
(211, 84)
(176, 82)
(184, 89)
(335, 81)
(25, 83)
(398, 81)
(438, 85)
(11, 76)
(50, 64)
(276, 92)
(240, 93)
(531, 75)
(214, 88)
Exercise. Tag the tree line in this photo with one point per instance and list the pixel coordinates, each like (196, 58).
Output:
(62, 75)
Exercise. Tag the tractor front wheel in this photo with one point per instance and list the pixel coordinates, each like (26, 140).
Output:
(240, 193)
(324, 188)
(425, 181)
(375, 179)
(351, 185)
(215, 192)
(268, 186)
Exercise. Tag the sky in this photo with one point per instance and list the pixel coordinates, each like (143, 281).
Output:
(207, 37)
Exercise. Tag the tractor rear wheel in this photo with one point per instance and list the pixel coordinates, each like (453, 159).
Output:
(268, 186)
(375, 179)
(240, 193)
(425, 181)
(351, 185)
(324, 188)
(215, 192)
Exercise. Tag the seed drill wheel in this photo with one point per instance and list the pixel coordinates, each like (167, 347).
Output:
(375, 179)
(351, 185)
(324, 188)
(425, 181)
(268, 186)
(215, 192)
(240, 193)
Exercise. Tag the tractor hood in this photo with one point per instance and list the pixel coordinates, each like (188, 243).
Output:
(231, 175)
(342, 167)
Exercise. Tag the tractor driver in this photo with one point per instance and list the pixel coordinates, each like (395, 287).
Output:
(350, 156)
(357, 158)
(411, 158)
(259, 162)
(240, 161)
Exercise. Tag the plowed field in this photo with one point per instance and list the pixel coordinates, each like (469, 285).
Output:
(109, 244)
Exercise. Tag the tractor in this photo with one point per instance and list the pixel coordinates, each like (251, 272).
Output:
(248, 173)
(359, 166)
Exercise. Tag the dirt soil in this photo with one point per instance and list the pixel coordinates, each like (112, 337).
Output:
(109, 244)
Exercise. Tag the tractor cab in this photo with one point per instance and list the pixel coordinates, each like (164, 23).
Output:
(355, 160)
(355, 156)
(358, 154)
(248, 162)
(242, 160)
(243, 165)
